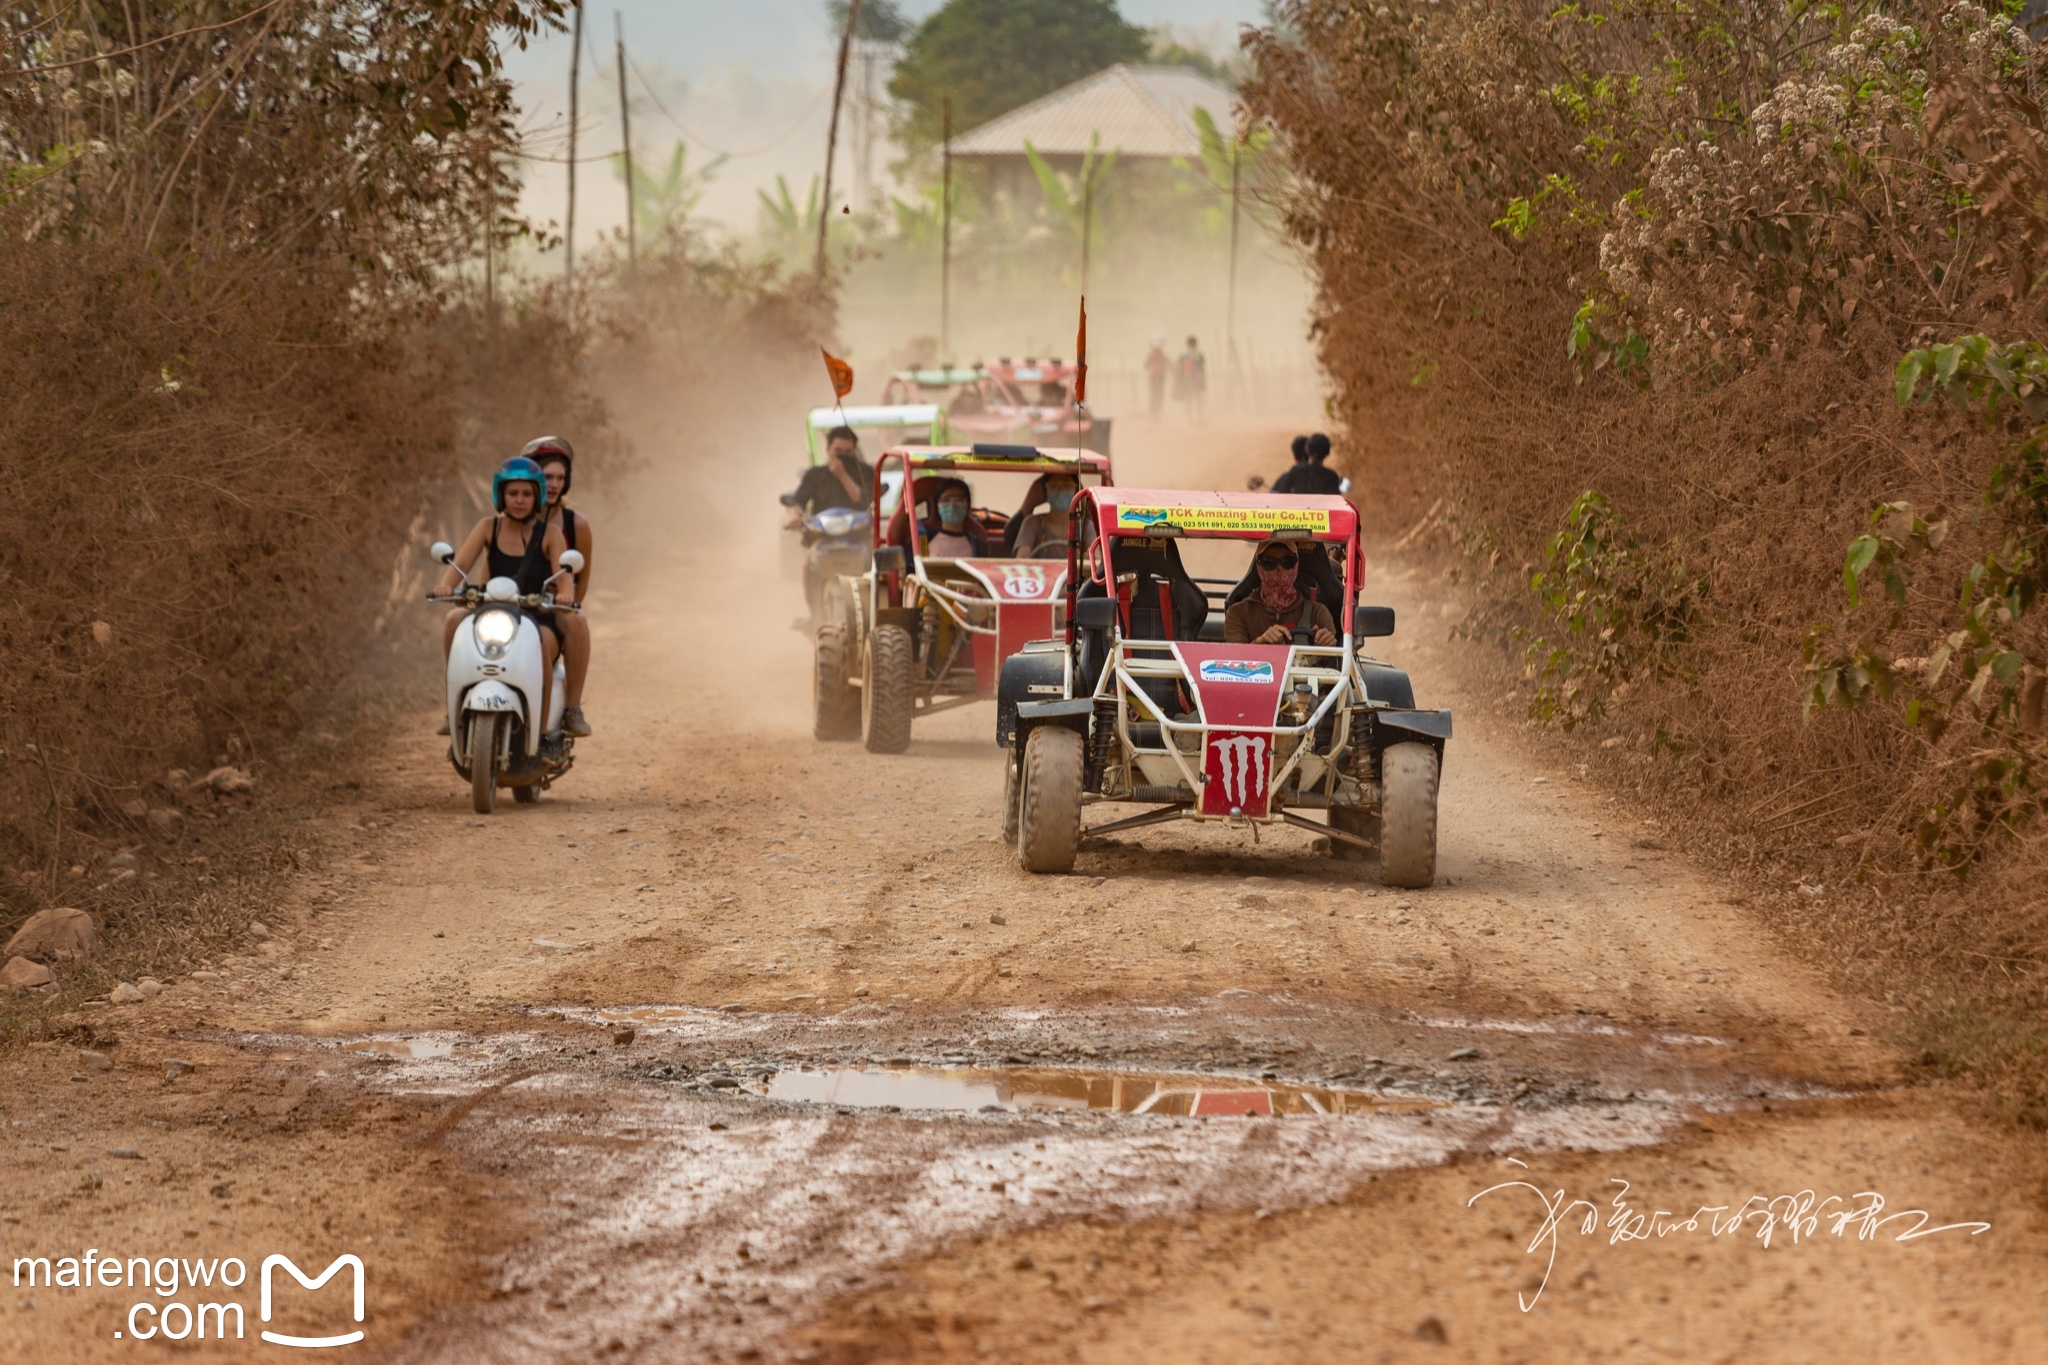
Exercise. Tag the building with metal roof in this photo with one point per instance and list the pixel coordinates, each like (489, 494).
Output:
(1143, 113)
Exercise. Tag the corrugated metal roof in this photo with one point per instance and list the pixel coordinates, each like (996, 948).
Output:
(1138, 111)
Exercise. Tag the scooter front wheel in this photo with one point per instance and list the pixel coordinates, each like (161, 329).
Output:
(483, 761)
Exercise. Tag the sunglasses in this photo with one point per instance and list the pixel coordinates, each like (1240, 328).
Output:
(1277, 561)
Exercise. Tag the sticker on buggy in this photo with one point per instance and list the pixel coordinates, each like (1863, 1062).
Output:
(1235, 671)
(1021, 580)
(1246, 520)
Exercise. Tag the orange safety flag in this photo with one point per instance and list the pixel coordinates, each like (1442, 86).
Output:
(1081, 356)
(841, 372)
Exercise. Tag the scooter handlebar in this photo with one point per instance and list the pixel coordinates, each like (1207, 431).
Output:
(534, 601)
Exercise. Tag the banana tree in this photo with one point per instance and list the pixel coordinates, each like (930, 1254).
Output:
(663, 203)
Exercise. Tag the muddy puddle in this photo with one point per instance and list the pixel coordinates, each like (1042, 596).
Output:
(698, 1179)
(1068, 1089)
(414, 1049)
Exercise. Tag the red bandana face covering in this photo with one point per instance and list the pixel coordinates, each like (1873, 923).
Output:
(1276, 587)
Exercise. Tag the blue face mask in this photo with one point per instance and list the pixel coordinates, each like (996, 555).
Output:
(953, 515)
(1060, 499)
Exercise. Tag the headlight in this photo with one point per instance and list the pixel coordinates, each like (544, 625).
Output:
(835, 523)
(494, 630)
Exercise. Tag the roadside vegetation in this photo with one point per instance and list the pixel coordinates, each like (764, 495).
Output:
(1646, 303)
(250, 366)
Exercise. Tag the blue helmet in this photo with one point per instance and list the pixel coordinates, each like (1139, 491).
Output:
(519, 469)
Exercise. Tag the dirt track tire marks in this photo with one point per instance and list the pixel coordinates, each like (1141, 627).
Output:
(1049, 813)
(887, 700)
(1408, 782)
(835, 706)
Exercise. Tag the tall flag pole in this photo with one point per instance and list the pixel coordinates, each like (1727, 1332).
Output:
(1080, 375)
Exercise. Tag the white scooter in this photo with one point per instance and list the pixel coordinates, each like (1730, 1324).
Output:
(494, 689)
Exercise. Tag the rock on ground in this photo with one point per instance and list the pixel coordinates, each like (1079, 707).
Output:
(20, 974)
(59, 932)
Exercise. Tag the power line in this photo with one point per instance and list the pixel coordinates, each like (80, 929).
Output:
(768, 146)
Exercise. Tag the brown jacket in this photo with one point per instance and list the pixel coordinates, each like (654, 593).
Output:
(1247, 620)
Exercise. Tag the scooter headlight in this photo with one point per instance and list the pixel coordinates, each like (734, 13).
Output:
(494, 630)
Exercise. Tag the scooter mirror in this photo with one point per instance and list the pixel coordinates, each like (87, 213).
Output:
(443, 552)
(572, 560)
(787, 499)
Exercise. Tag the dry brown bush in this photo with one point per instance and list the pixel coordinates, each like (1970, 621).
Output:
(1673, 253)
(224, 233)
(247, 379)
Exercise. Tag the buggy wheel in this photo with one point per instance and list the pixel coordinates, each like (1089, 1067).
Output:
(1351, 820)
(1408, 781)
(1011, 797)
(1049, 800)
(887, 700)
(484, 729)
(835, 709)
(526, 795)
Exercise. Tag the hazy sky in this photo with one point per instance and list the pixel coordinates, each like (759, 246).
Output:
(751, 78)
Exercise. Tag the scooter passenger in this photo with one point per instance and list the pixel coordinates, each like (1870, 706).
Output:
(558, 462)
(518, 544)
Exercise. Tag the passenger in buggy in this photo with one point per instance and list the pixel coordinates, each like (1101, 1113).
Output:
(954, 533)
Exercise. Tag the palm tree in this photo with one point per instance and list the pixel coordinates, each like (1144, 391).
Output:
(787, 229)
(1067, 197)
(663, 203)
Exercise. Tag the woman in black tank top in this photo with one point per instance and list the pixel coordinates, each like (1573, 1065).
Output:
(526, 567)
(530, 559)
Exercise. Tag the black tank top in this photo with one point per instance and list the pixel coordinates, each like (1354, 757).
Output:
(530, 569)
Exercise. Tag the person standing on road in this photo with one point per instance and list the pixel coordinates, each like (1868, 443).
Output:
(1156, 367)
(1191, 380)
(1315, 476)
(557, 461)
(1287, 481)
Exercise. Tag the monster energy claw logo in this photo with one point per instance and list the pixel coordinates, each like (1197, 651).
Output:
(1242, 760)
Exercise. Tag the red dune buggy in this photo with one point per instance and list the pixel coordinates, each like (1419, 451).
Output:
(1144, 701)
(927, 627)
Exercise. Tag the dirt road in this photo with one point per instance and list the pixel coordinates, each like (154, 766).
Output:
(635, 1072)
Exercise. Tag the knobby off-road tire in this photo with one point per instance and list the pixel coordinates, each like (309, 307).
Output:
(887, 700)
(483, 761)
(1049, 804)
(1351, 820)
(835, 703)
(1408, 780)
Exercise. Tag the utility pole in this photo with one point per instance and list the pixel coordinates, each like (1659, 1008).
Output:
(946, 231)
(626, 142)
(832, 133)
(569, 226)
(1230, 306)
(491, 249)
